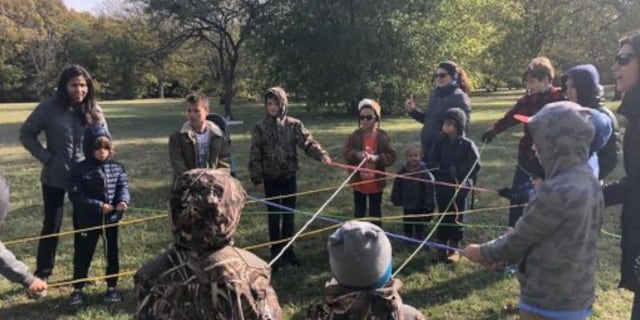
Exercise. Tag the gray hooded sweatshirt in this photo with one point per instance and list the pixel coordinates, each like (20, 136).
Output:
(10, 267)
(556, 238)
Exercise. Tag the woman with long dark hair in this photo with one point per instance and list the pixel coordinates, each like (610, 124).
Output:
(625, 191)
(452, 87)
(63, 118)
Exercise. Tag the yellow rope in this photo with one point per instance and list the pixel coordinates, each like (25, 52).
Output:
(64, 233)
(132, 272)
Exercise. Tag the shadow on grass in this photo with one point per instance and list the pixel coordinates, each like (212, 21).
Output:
(455, 288)
(57, 308)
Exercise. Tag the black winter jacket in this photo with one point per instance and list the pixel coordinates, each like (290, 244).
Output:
(95, 183)
(626, 191)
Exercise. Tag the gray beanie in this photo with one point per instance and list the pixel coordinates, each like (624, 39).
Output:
(360, 255)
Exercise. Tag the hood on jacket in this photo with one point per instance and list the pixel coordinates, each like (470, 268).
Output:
(4, 198)
(281, 95)
(206, 205)
(587, 81)
(604, 129)
(90, 135)
(457, 116)
(562, 132)
(213, 128)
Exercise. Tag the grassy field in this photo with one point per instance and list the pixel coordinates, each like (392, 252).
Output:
(141, 129)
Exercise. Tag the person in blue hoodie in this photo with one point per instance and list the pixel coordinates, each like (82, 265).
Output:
(100, 195)
(581, 84)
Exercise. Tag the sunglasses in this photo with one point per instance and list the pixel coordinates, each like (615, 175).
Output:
(368, 118)
(440, 75)
(623, 59)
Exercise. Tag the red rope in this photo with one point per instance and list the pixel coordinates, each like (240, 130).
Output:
(350, 167)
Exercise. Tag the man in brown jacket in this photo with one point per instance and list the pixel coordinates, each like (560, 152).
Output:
(199, 143)
(203, 276)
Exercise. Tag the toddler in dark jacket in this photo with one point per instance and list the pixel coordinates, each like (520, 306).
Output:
(417, 198)
(100, 195)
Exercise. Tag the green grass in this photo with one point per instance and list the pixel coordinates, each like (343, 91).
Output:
(141, 130)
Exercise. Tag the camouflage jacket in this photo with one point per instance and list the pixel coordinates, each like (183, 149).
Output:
(228, 284)
(273, 152)
(556, 238)
(340, 303)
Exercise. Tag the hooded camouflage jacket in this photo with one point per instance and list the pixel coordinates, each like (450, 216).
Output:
(227, 284)
(555, 239)
(203, 276)
(340, 303)
(273, 153)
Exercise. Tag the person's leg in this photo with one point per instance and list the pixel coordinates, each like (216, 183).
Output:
(519, 177)
(421, 223)
(524, 315)
(408, 221)
(84, 245)
(375, 207)
(457, 231)
(53, 199)
(359, 204)
(444, 229)
(271, 190)
(289, 187)
(110, 242)
(635, 311)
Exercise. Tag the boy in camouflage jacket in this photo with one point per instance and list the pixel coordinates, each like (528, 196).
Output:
(273, 163)
(203, 276)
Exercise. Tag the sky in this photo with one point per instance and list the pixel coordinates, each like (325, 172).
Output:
(83, 5)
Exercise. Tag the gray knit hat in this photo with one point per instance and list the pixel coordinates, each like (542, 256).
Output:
(360, 255)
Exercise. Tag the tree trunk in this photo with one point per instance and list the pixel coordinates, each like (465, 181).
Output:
(226, 99)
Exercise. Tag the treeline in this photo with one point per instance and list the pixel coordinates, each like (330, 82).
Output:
(329, 53)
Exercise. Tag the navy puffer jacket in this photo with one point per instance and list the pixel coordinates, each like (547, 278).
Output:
(94, 183)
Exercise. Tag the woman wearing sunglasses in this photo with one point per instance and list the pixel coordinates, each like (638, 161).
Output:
(452, 87)
(625, 191)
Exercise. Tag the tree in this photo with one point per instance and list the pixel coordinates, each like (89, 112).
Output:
(223, 25)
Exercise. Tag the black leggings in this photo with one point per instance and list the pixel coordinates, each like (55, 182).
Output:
(375, 205)
(635, 311)
(84, 246)
(53, 199)
(281, 222)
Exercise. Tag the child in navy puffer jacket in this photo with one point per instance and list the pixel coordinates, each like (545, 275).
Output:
(100, 195)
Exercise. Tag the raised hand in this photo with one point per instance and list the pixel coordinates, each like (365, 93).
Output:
(410, 104)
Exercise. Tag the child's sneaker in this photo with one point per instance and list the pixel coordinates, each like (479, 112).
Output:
(76, 299)
(112, 296)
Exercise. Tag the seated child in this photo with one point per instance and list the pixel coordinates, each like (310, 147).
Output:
(202, 275)
(415, 197)
(362, 286)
